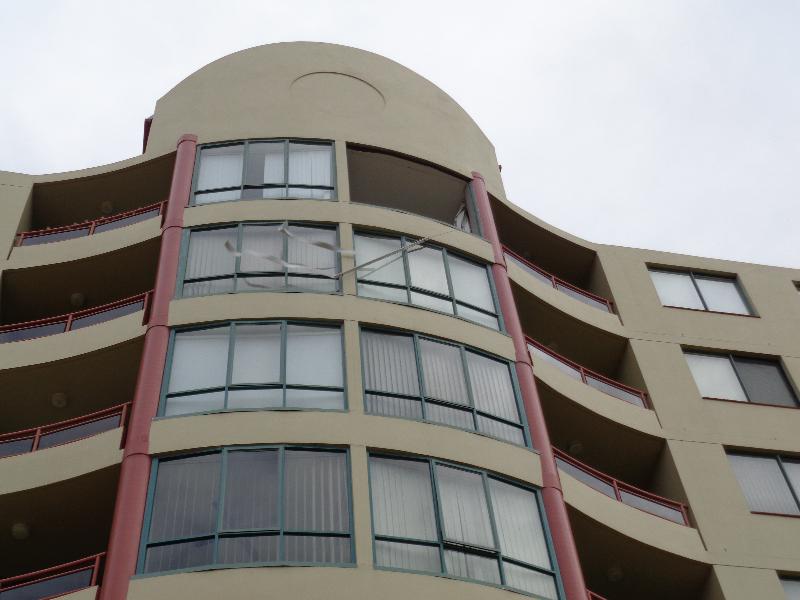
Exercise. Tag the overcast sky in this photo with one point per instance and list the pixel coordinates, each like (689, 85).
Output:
(672, 125)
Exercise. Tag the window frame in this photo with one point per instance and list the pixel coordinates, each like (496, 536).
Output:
(230, 325)
(423, 398)
(237, 272)
(795, 494)
(732, 361)
(410, 288)
(223, 451)
(286, 184)
(441, 543)
(692, 274)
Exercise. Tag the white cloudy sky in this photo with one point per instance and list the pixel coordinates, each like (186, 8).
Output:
(664, 124)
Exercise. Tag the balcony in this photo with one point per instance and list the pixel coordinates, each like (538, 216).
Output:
(54, 581)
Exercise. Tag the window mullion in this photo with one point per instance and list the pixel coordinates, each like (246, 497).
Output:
(245, 154)
(450, 289)
(406, 268)
(229, 369)
(286, 168)
(495, 535)
(420, 375)
(281, 520)
(285, 256)
(732, 360)
(795, 493)
(284, 346)
(438, 512)
(697, 289)
(468, 385)
(223, 477)
(237, 261)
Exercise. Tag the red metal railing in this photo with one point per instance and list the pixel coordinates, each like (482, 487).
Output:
(654, 504)
(64, 432)
(593, 596)
(558, 283)
(56, 234)
(587, 376)
(54, 581)
(14, 332)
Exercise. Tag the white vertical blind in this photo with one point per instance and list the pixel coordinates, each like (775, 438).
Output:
(257, 354)
(470, 283)
(492, 389)
(388, 270)
(676, 289)
(763, 484)
(402, 499)
(251, 490)
(208, 255)
(389, 363)
(715, 377)
(314, 355)
(316, 497)
(426, 266)
(309, 164)
(465, 513)
(443, 372)
(199, 359)
(265, 240)
(301, 250)
(519, 524)
(220, 167)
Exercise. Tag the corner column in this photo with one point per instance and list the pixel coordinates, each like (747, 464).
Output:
(126, 526)
(564, 544)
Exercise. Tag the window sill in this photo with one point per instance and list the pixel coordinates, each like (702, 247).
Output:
(712, 312)
(207, 568)
(747, 402)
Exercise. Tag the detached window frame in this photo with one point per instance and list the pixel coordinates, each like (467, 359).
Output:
(407, 292)
(229, 281)
(245, 190)
(428, 403)
(736, 362)
(790, 487)
(693, 277)
(220, 491)
(222, 392)
(440, 543)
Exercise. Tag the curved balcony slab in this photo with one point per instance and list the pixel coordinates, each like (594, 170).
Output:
(59, 463)
(334, 307)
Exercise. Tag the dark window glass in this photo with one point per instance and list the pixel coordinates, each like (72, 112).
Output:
(764, 382)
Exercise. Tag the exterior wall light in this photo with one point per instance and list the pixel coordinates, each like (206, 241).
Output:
(20, 531)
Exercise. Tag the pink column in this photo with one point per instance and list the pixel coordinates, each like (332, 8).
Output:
(126, 527)
(552, 496)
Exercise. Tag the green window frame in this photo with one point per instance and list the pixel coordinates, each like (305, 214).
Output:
(440, 542)
(244, 183)
(288, 548)
(445, 300)
(280, 278)
(280, 392)
(434, 409)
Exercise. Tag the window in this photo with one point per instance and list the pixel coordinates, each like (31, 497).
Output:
(426, 276)
(743, 379)
(255, 366)
(264, 169)
(248, 505)
(699, 292)
(770, 484)
(791, 587)
(415, 377)
(257, 257)
(434, 517)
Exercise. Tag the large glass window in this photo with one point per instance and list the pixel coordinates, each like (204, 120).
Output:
(771, 484)
(257, 257)
(265, 169)
(791, 587)
(424, 275)
(686, 289)
(743, 379)
(255, 366)
(249, 505)
(411, 376)
(435, 517)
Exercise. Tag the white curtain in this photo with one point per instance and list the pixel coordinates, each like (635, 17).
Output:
(492, 389)
(220, 168)
(465, 513)
(208, 255)
(389, 363)
(443, 372)
(257, 354)
(199, 359)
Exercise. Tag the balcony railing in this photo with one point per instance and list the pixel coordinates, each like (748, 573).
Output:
(623, 492)
(558, 283)
(47, 436)
(54, 581)
(599, 382)
(15, 332)
(67, 232)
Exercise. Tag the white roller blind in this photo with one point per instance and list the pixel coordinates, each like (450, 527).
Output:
(676, 289)
(199, 359)
(715, 377)
(257, 354)
(314, 355)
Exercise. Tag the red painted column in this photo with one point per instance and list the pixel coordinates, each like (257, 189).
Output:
(552, 496)
(126, 527)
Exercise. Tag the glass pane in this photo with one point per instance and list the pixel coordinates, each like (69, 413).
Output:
(46, 238)
(107, 315)
(530, 581)
(540, 355)
(251, 490)
(519, 524)
(220, 167)
(16, 447)
(208, 254)
(208, 198)
(316, 194)
(310, 164)
(446, 415)
(317, 284)
(207, 288)
(387, 407)
(264, 163)
(314, 355)
(472, 566)
(390, 363)
(199, 359)
(528, 269)
(124, 222)
(413, 557)
(763, 484)
(478, 317)
(593, 482)
(267, 283)
(380, 292)
(676, 289)
(248, 549)
(615, 391)
(722, 294)
(501, 431)
(492, 390)
(316, 496)
(443, 372)
(652, 507)
(432, 302)
(258, 399)
(426, 266)
(186, 497)
(312, 247)
(465, 514)
(58, 585)
(32, 332)
(194, 403)
(581, 297)
(765, 382)
(262, 249)
(179, 556)
(257, 354)
(791, 588)
(792, 469)
(387, 270)
(402, 500)
(317, 549)
(48, 440)
(715, 377)
(470, 283)
(320, 399)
